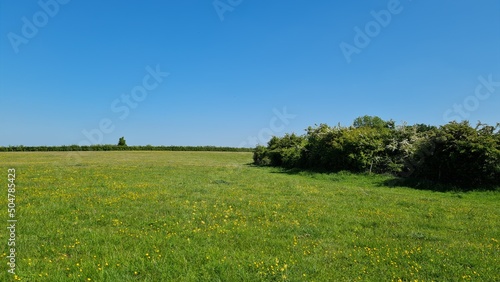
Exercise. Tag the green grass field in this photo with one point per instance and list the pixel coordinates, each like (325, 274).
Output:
(210, 216)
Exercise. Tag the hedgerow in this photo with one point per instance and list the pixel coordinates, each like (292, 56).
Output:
(455, 153)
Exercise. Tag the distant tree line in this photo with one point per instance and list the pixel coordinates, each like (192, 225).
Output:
(120, 148)
(455, 153)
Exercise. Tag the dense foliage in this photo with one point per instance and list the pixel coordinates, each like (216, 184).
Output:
(455, 153)
(120, 148)
(122, 142)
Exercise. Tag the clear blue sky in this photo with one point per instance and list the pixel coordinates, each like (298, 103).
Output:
(63, 67)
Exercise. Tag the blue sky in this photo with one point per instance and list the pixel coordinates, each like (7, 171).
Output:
(239, 71)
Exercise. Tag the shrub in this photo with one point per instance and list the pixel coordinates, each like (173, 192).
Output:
(463, 155)
(455, 153)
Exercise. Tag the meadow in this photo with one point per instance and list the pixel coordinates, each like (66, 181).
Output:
(211, 216)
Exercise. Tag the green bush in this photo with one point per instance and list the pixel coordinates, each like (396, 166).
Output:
(455, 153)
(463, 156)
